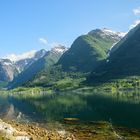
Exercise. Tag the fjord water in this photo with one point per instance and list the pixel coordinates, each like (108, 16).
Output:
(122, 108)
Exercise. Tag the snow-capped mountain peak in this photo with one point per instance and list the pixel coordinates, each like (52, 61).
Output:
(23, 61)
(107, 33)
(59, 49)
(110, 32)
(13, 64)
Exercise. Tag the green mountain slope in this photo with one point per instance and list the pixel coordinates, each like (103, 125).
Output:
(88, 51)
(123, 61)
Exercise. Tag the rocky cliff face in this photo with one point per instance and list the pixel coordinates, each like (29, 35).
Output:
(8, 70)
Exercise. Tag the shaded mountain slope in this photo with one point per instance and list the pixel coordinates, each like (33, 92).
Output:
(122, 62)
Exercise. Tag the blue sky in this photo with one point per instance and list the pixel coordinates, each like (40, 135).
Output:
(37, 24)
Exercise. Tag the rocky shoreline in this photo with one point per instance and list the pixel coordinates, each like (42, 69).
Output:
(17, 131)
(69, 130)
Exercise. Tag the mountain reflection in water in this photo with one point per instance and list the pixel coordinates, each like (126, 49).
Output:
(122, 108)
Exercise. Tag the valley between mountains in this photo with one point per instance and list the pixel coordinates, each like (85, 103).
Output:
(97, 59)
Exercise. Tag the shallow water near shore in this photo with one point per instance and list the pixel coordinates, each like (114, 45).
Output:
(85, 114)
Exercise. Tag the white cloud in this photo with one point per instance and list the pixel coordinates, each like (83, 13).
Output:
(17, 57)
(136, 11)
(134, 24)
(43, 41)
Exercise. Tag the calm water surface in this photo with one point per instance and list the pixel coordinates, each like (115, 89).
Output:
(121, 108)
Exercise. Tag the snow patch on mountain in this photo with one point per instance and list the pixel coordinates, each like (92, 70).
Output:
(5, 62)
(59, 49)
(110, 32)
(107, 33)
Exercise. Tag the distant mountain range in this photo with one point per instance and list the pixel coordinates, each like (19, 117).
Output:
(12, 65)
(24, 63)
(102, 53)
(41, 60)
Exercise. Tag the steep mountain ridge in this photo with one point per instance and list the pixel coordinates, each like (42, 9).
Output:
(7, 70)
(123, 61)
(88, 51)
(25, 62)
(49, 59)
